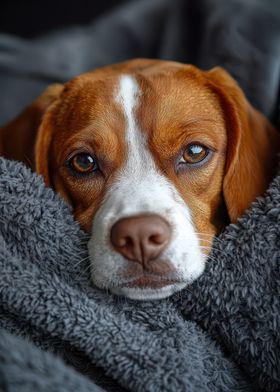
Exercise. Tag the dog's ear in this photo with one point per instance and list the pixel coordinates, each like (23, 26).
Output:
(252, 145)
(18, 137)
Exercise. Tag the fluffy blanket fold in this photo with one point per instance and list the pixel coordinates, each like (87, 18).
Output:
(221, 334)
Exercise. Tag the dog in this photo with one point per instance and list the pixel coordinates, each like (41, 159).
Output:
(155, 157)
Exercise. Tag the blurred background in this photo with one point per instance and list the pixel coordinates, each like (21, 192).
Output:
(46, 42)
(31, 18)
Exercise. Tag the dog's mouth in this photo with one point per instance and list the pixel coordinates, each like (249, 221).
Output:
(146, 282)
(148, 287)
(149, 281)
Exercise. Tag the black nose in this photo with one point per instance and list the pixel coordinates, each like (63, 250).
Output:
(141, 238)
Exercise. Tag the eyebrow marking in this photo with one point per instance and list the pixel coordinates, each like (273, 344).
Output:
(199, 120)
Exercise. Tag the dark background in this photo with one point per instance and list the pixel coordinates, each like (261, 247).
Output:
(62, 39)
(30, 18)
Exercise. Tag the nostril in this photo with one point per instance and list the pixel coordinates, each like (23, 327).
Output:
(119, 237)
(123, 241)
(157, 239)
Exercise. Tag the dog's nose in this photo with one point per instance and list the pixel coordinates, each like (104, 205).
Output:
(141, 238)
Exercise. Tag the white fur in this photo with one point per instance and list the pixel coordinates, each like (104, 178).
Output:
(141, 188)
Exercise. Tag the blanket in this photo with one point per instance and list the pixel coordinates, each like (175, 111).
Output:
(49, 307)
(220, 334)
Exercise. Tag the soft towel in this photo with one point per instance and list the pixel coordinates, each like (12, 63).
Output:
(220, 334)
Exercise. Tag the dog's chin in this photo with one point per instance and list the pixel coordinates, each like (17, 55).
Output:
(147, 293)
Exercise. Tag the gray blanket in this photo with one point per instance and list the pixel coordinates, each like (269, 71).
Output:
(48, 299)
(220, 334)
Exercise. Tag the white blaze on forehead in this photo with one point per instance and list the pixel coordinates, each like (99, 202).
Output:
(139, 160)
(128, 97)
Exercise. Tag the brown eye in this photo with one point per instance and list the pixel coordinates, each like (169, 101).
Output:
(83, 163)
(194, 153)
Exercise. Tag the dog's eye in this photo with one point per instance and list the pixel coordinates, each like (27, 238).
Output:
(83, 163)
(194, 153)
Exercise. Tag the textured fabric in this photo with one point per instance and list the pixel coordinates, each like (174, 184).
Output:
(242, 36)
(25, 368)
(237, 299)
(46, 297)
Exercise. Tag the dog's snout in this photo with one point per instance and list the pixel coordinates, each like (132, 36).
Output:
(141, 238)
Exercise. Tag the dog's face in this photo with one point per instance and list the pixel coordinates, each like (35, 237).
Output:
(142, 163)
(141, 152)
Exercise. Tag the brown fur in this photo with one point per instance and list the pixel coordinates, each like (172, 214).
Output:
(179, 104)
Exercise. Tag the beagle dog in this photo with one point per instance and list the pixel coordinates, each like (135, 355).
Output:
(155, 157)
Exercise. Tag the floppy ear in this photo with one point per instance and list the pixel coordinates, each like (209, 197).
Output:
(18, 137)
(252, 145)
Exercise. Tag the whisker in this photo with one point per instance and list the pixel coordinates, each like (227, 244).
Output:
(211, 259)
(81, 252)
(203, 239)
(202, 233)
(80, 261)
(86, 270)
(206, 234)
(213, 248)
(213, 238)
(227, 235)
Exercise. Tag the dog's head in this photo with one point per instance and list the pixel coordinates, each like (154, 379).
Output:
(155, 157)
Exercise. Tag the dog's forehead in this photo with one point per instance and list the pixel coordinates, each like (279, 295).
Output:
(163, 96)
